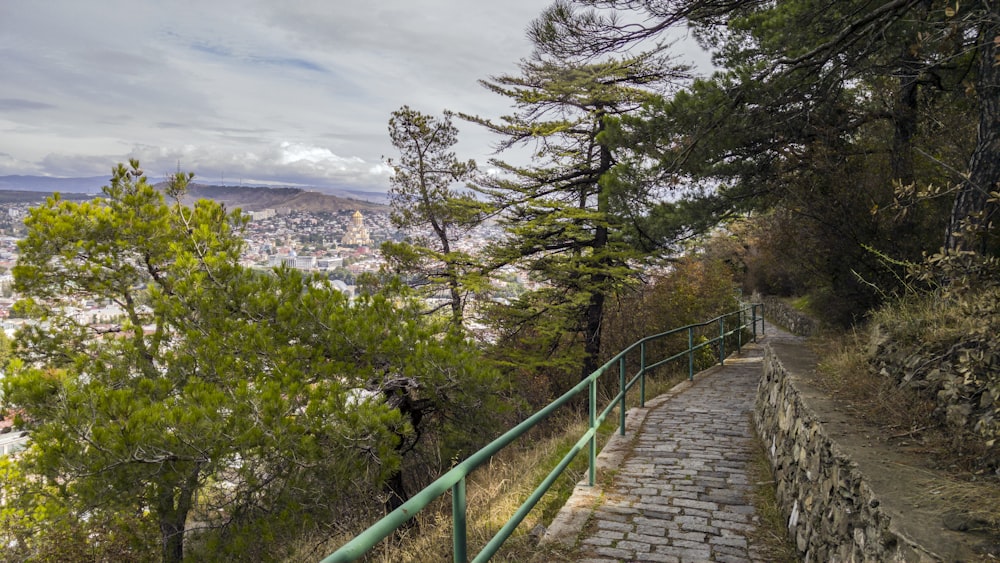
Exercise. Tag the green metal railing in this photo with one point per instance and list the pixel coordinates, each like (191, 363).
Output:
(730, 327)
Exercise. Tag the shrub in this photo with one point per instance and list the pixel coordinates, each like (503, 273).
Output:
(943, 343)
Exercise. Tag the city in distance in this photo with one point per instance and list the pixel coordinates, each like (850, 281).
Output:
(288, 226)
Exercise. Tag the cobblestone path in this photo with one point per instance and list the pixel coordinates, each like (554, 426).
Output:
(680, 494)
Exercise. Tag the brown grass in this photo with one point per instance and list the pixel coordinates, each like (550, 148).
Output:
(770, 537)
(845, 373)
(496, 490)
(904, 420)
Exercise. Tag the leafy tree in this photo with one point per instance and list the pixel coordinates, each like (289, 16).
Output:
(901, 53)
(565, 213)
(695, 288)
(255, 404)
(424, 200)
(833, 113)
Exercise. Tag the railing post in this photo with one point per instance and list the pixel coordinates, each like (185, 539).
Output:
(690, 353)
(741, 323)
(455, 479)
(593, 426)
(722, 340)
(642, 374)
(621, 404)
(459, 541)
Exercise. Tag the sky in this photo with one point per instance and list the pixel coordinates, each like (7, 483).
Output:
(291, 92)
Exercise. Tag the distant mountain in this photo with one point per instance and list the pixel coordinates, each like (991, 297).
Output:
(30, 189)
(374, 197)
(91, 185)
(258, 198)
(32, 198)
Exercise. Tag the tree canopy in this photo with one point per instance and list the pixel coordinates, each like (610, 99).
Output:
(246, 404)
(565, 214)
(429, 198)
(845, 115)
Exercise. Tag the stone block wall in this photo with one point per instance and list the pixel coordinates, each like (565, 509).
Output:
(781, 313)
(833, 514)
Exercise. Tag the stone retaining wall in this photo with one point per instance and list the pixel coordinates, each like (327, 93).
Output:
(833, 513)
(783, 314)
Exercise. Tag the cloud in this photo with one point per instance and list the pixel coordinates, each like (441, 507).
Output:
(10, 166)
(17, 104)
(281, 162)
(296, 91)
(77, 165)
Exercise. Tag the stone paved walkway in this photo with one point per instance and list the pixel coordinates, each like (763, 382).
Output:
(680, 492)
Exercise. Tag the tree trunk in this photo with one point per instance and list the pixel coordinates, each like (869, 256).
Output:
(595, 306)
(592, 344)
(972, 204)
(173, 504)
(172, 513)
(399, 395)
(904, 118)
(456, 297)
(172, 538)
(396, 492)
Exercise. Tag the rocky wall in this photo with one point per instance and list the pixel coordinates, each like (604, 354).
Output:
(781, 313)
(834, 515)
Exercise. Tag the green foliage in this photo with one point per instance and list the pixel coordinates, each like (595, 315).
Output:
(818, 112)
(566, 214)
(36, 525)
(262, 405)
(425, 202)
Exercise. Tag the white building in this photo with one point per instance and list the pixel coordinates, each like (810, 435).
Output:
(357, 233)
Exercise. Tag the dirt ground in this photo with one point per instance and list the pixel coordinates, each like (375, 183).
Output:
(948, 508)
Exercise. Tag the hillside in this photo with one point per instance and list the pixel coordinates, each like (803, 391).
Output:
(246, 198)
(256, 199)
(26, 196)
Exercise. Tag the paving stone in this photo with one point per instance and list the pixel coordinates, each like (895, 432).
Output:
(686, 521)
(633, 546)
(598, 540)
(614, 525)
(696, 512)
(613, 552)
(648, 531)
(710, 530)
(657, 558)
(680, 495)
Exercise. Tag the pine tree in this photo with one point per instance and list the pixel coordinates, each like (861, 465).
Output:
(564, 212)
(265, 402)
(426, 202)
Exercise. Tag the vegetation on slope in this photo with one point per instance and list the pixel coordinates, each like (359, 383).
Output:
(835, 142)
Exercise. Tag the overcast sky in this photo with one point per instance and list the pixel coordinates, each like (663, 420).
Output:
(273, 91)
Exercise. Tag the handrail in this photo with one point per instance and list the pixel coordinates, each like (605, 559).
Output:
(454, 479)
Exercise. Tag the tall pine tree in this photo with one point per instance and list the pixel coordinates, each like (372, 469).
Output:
(563, 211)
(428, 201)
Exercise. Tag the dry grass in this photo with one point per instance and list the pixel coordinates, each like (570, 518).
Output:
(846, 374)
(904, 420)
(497, 489)
(976, 504)
(494, 492)
(770, 538)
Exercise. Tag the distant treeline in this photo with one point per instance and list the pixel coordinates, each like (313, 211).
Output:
(23, 196)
